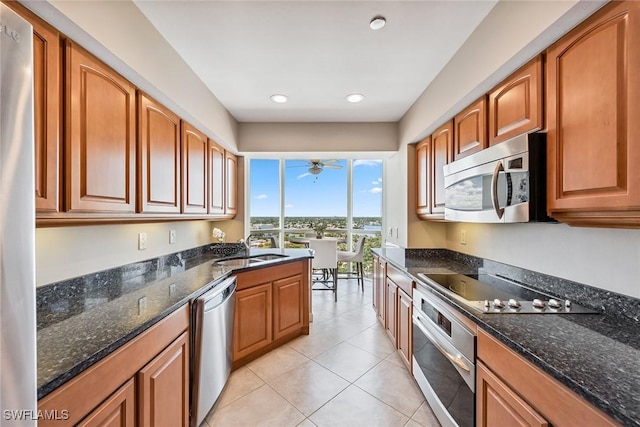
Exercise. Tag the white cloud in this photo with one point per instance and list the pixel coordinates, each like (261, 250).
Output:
(288, 206)
(303, 175)
(375, 190)
(380, 179)
(261, 196)
(375, 182)
(362, 162)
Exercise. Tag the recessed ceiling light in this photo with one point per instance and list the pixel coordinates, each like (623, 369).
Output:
(377, 23)
(278, 98)
(355, 97)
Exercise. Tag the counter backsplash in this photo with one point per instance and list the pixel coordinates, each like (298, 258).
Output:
(602, 300)
(58, 301)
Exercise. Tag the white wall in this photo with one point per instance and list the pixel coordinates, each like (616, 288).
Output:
(600, 257)
(121, 36)
(329, 137)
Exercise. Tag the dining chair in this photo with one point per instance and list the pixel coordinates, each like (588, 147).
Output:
(325, 258)
(356, 256)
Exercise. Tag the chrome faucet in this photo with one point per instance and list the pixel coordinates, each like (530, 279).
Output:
(246, 244)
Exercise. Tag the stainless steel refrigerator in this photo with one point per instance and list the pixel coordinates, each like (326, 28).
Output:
(17, 224)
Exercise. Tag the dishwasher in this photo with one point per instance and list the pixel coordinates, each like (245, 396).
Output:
(212, 346)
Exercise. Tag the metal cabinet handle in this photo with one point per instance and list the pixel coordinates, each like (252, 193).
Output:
(494, 190)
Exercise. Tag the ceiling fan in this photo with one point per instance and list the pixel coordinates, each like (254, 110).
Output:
(317, 166)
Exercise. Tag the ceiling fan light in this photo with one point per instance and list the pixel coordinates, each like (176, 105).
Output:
(355, 97)
(315, 170)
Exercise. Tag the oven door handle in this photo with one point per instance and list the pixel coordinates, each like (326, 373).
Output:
(456, 360)
(494, 190)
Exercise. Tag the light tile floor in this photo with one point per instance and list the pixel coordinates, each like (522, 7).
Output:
(344, 373)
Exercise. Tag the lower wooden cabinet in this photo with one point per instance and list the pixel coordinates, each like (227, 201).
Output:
(512, 392)
(272, 307)
(143, 383)
(117, 411)
(163, 387)
(497, 404)
(391, 303)
(379, 288)
(404, 338)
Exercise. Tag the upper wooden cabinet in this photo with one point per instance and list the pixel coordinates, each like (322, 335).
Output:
(100, 136)
(194, 170)
(442, 147)
(470, 134)
(231, 190)
(423, 178)
(158, 158)
(216, 179)
(47, 103)
(593, 140)
(515, 106)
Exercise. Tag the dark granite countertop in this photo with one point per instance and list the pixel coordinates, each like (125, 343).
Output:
(595, 355)
(102, 313)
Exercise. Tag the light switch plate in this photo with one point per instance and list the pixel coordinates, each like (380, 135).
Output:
(172, 237)
(142, 241)
(463, 237)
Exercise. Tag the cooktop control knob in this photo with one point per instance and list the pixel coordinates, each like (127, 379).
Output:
(567, 303)
(538, 303)
(513, 303)
(554, 303)
(486, 303)
(498, 303)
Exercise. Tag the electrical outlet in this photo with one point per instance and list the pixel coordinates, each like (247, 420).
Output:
(397, 232)
(463, 237)
(142, 305)
(172, 237)
(172, 289)
(390, 231)
(142, 241)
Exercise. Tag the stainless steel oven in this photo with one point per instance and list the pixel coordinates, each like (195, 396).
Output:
(503, 183)
(444, 360)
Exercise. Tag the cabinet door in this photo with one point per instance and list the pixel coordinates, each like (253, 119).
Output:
(163, 387)
(405, 327)
(423, 178)
(287, 306)
(158, 157)
(100, 139)
(216, 179)
(380, 290)
(117, 411)
(390, 310)
(375, 301)
(497, 404)
(231, 191)
(593, 96)
(515, 106)
(194, 170)
(441, 154)
(252, 327)
(470, 135)
(47, 110)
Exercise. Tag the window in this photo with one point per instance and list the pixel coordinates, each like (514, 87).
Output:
(341, 197)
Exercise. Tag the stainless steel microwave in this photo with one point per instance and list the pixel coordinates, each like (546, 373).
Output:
(503, 183)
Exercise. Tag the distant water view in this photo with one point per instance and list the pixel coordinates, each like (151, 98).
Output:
(373, 224)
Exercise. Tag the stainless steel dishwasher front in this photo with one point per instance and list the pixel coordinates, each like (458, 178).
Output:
(212, 346)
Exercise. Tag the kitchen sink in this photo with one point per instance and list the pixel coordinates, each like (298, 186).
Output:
(249, 260)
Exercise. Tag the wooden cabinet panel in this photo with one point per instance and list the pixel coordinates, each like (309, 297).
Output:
(593, 95)
(390, 310)
(100, 139)
(470, 134)
(252, 328)
(163, 387)
(231, 190)
(47, 109)
(515, 106)
(405, 327)
(158, 158)
(442, 147)
(549, 398)
(194, 170)
(379, 289)
(497, 404)
(117, 411)
(423, 178)
(287, 306)
(216, 179)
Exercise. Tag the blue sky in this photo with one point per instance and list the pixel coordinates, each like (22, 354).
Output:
(324, 194)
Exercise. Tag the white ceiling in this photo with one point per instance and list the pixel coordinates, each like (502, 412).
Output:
(316, 52)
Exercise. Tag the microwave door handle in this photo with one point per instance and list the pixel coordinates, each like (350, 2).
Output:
(494, 190)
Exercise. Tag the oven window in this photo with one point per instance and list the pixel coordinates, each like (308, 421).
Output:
(445, 380)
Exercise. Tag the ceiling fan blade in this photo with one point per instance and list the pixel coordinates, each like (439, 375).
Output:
(328, 162)
(333, 166)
